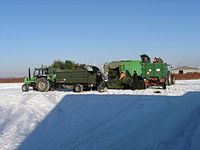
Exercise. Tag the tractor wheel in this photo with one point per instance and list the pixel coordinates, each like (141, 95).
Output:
(102, 87)
(78, 88)
(25, 88)
(42, 85)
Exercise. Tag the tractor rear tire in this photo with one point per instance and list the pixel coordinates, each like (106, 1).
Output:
(78, 88)
(42, 85)
(25, 88)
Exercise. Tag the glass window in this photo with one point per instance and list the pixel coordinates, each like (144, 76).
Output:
(36, 72)
(180, 71)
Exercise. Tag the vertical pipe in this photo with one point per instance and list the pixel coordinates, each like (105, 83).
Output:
(29, 73)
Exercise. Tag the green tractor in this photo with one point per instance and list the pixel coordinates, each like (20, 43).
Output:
(40, 81)
(121, 77)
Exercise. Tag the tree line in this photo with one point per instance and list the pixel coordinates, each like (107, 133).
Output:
(68, 65)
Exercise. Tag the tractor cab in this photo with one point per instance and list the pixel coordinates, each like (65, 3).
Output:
(40, 72)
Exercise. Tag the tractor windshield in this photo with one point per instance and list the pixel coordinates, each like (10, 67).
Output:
(36, 72)
(40, 72)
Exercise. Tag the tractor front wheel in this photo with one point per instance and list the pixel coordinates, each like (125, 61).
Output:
(42, 85)
(25, 88)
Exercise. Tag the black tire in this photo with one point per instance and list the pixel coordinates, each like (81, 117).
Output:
(170, 79)
(141, 85)
(102, 87)
(164, 86)
(42, 85)
(167, 80)
(78, 88)
(173, 80)
(25, 88)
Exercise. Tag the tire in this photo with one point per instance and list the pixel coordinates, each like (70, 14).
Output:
(141, 85)
(170, 79)
(173, 80)
(25, 88)
(78, 88)
(102, 87)
(42, 85)
(167, 80)
(164, 86)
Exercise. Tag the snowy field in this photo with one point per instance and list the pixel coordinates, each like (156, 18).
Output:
(114, 120)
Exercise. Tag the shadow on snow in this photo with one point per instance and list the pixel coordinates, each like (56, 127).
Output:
(100, 122)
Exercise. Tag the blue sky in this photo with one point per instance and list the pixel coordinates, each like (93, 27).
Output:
(36, 32)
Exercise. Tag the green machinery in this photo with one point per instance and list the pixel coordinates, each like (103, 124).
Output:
(45, 79)
(140, 74)
(124, 75)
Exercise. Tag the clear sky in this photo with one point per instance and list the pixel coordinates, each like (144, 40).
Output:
(37, 32)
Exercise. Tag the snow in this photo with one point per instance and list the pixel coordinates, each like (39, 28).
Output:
(114, 120)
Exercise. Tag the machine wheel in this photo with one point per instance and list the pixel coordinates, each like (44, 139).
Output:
(141, 84)
(102, 87)
(25, 88)
(170, 79)
(42, 85)
(167, 80)
(78, 88)
(164, 86)
(173, 80)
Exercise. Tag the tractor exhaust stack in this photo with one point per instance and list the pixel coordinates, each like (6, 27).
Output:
(29, 73)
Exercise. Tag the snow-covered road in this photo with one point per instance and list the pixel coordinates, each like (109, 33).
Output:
(115, 120)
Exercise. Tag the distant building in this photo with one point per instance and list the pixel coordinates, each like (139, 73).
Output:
(185, 70)
(186, 73)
